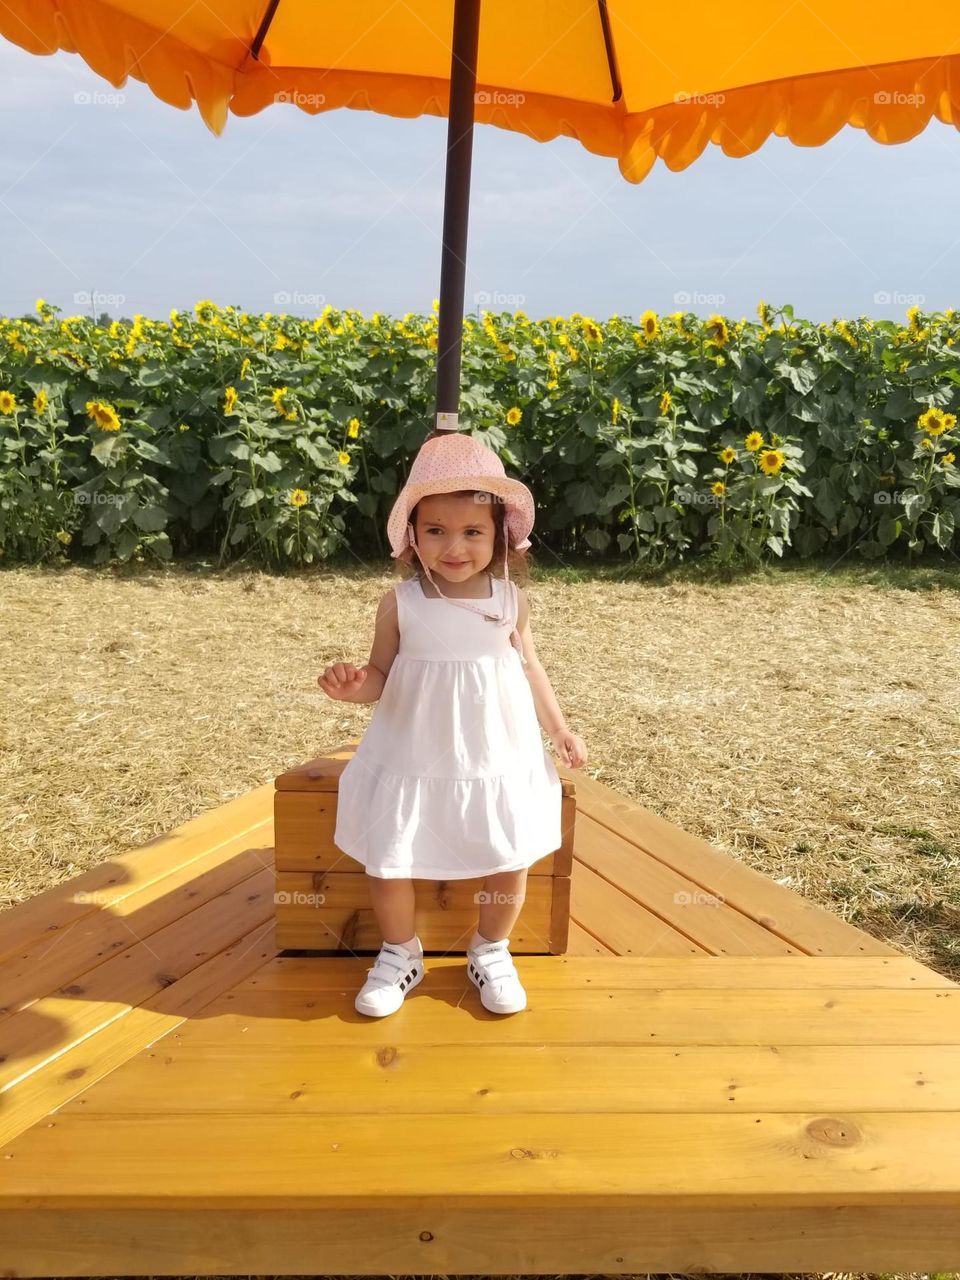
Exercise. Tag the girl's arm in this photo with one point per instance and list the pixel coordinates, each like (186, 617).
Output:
(544, 699)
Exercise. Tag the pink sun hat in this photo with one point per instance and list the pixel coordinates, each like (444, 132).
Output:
(455, 461)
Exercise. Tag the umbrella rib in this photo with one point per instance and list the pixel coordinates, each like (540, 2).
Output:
(264, 28)
(611, 53)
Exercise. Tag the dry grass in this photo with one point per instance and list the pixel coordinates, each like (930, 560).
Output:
(806, 723)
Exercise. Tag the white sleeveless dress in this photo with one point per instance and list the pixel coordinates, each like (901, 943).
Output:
(451, 779)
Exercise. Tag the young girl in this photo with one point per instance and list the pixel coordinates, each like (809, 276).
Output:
(451, 779)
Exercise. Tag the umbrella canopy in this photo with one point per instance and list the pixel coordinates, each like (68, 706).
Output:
(628, 80)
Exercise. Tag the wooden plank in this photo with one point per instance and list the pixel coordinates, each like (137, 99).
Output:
(346, 1159)
(582, 943)
(541, 973)
(47, 915)
(58, 965)
(91, 1059)
(40, 1034)
(176, 1078)
(716, 926)
(431, 1239)
(801, 923)
(620, 922)
(608, 1017)
(330, 910)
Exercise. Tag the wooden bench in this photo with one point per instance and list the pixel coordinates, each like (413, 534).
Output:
(323, 902)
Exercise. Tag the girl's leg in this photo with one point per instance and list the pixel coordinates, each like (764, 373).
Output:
(503, 896)
(393, 905)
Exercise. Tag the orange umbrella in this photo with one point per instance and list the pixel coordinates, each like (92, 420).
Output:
(628, 80)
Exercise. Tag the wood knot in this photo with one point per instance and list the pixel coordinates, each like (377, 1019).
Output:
(527, 1153)
(426, 1236)
(387, 1056)
(833, 1132)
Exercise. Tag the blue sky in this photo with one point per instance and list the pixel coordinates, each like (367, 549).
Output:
(119, 195)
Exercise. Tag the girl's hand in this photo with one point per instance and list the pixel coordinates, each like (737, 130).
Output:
(342, 680)
(570, 748)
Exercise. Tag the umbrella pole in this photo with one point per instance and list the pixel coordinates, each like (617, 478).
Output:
(456, 207)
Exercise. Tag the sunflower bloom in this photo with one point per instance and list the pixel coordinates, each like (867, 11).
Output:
(229, 399)
(771, 460)
(718, 489)
(104, 415)
(754, 441)
(666, 400)
(513, 416)
(244, 367)
(650, 325)
(763, 311)
(592, 332)
(63, 536)
(353, 427)
(299, 498)
(947, 460)
(717, 327)
(206, 311)
(933, 422)
(8, 402)
(615, 411)
(927, 443)
(343, 458)
(40, 402)
(727, 456)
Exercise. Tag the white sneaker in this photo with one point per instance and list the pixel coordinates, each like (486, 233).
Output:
(491, 970)
(392, 975)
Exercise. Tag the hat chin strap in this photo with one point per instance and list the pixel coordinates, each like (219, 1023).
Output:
(504, 619)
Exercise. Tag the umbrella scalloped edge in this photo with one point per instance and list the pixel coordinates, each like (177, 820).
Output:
(892, 102)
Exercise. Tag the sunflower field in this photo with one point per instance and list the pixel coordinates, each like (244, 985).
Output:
(282, 440)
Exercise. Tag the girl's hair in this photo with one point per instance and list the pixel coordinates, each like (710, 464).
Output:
(408, 562)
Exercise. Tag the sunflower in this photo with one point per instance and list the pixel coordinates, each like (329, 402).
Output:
(719, 489)
(947, 460)
(104, 415)
(183, 427)
(353, 427)
(343, 458)
(927, 443)
(771, 460)
(513, 416)
(719, 332)
(206, 311)
(40, 402)
(8, 402)
(727, 456)
(665, 402)
(934, 421)
(763, 311)
(614, 410)
(592, 332)
(229, 399)
(650, 325)
(244, 367)
(298, 498)
(754, 441)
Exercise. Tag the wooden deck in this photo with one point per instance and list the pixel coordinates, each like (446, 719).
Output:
(718, 1076)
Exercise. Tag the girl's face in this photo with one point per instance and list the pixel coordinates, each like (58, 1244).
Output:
(455, 535)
